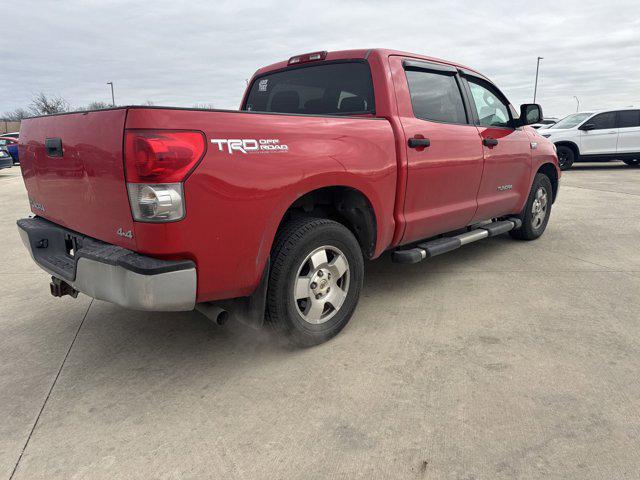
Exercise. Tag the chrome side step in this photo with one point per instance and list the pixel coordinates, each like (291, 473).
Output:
(442, 245)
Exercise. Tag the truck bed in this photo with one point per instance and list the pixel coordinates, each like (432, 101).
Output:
(234, 199)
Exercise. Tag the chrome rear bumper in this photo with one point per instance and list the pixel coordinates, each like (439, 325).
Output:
(108, 272)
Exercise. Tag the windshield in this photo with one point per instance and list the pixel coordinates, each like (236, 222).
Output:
(326, 89)
(572, 120)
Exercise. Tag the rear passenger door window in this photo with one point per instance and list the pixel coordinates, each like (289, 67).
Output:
(436, 97)
(604, 120)
(492, 110)
(629, 118)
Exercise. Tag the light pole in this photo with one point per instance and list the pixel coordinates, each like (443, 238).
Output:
(578, 106)
(535, 88)
(113, 98)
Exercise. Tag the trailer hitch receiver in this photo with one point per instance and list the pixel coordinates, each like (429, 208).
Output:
(60, 288)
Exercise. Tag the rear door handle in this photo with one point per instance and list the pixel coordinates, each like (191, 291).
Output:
(419, 142)
(489, 142)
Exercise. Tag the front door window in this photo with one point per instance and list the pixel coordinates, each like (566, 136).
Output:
(492, 111)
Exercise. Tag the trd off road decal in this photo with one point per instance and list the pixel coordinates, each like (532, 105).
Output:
(250, 145)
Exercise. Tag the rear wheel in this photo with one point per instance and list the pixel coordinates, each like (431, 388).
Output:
(633, 162)
(566, 157)
(315, 280)
(535, 215)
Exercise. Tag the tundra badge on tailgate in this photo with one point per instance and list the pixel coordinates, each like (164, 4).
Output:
(36, 206)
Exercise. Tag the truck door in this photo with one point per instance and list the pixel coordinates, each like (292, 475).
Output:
(507, 151)
(443, 149)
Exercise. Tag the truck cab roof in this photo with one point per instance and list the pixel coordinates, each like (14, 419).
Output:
(363, 54)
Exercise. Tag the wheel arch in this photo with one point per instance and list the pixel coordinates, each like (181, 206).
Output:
(572, 145)
(551, 172)
(344, 204)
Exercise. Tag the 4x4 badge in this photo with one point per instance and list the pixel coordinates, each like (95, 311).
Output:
(122, 233)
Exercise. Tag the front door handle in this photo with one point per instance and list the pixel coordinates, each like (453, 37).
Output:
(489, 142)
(419, 142)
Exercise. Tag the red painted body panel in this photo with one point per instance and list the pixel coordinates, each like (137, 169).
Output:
(508, 163)
(85, 189)
(235, 202)
(442, 180)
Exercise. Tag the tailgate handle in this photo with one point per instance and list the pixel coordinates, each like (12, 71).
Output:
(53, 147)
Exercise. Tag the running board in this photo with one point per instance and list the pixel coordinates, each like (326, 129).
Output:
(442, 245)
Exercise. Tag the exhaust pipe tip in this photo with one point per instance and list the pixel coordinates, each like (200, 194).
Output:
(222, 317)
(213, 312)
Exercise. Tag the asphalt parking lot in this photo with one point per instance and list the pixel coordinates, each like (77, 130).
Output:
(501, 360)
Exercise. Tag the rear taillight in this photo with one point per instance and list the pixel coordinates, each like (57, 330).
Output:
(156, 202)
(161, 156)
(156, 164)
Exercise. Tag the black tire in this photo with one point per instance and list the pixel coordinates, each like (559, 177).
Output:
(633, 162)
(531, 229)
(295, 242)
(566, 157)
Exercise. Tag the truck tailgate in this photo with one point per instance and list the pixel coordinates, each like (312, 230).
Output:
(74, 174)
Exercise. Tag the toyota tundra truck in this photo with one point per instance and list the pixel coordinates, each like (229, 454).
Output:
(267, 213)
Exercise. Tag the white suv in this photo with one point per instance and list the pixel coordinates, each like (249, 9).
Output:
(597, 136)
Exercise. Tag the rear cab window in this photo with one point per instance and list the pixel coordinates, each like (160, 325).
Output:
(328, 88)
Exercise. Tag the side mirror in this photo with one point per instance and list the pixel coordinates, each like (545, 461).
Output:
(530, 113)
(588, 126)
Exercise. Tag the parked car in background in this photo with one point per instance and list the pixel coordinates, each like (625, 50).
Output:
(267, 213)
(545, 123)
(597, 136)
(5, 160)
(10, 145)
(15, 135)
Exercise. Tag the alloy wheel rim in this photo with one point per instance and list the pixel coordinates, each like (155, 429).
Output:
(539, 207)
(321, 284)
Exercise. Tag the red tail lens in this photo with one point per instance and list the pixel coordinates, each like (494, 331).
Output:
(161, 156)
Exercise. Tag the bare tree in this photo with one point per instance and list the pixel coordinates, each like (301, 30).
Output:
(41, 104)
(15, 116)
(98, 105)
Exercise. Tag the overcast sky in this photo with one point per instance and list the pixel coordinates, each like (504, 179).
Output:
(183, 53)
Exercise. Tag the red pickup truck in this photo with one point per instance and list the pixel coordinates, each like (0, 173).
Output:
(267, 213)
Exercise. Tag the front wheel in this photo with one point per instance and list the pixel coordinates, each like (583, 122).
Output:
(566, 157)
(537, 210)
(315, 280)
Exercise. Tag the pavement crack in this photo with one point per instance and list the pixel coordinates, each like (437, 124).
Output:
(55, 380)
(591, 263)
